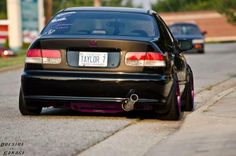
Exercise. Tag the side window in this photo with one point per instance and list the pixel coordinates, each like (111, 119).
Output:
(166, 40)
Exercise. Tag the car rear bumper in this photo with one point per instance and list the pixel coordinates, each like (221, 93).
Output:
(94, 87)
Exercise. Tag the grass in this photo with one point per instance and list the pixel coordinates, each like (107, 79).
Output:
(13, 61)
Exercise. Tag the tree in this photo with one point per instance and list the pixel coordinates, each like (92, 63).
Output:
(167, 6)
(48, 10)
(117, 3)
(59, 5)
(111, 2)
(3, 9)
(228, 8)
(185, 5)
(225, 7)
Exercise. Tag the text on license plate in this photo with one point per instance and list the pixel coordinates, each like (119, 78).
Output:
(93, 59)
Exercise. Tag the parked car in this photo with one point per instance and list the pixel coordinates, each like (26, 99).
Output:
(4, 52)
(107, 60)
(189, 31)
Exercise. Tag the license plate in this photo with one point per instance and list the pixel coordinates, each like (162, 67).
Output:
(93, 59)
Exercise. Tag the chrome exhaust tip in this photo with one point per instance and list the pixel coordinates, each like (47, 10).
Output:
(128, 104)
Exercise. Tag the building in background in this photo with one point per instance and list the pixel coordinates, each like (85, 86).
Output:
(3, 31)
(32, 19)
(214, 23)
(25, 21)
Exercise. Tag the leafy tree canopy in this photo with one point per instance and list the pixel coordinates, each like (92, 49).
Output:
(61, 4)
(226, 7)
(58, 5)
(3, 9)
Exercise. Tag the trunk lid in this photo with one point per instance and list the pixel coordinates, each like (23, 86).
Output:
(112, 49)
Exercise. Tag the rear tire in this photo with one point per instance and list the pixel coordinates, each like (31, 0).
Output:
(26, 109)
(174, 102)
(188, 94)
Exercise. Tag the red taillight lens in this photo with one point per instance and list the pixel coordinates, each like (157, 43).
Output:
(154, 56)
(135, 56)
(51, 56)
(198, 46)
(34, 53)
(48, 53)
(34, 56)
(43, 56)
(154, 59)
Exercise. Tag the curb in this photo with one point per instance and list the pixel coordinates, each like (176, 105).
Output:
(213, 93)
(227, 89)
(216, 98)
(221, 39)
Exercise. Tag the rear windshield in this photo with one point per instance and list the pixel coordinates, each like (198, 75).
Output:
(185, 29)
(102, 23)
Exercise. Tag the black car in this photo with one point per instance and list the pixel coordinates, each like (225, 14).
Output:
(107, 60)
(189, 31)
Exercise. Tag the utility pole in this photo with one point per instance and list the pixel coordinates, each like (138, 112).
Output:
(97, 3)
(41, 17)
(48, 10)
(14, 27)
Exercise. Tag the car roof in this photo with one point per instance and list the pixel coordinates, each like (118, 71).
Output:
(116, 9)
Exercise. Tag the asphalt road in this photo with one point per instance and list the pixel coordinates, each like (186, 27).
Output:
(63, 132)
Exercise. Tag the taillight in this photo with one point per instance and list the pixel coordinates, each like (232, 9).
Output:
(51, 56)
(150, 59)
(43, 56)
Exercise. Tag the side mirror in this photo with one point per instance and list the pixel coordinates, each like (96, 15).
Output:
(185, 45)
(204, 33)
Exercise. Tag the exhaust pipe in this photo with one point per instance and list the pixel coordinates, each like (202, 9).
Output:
(128, 104)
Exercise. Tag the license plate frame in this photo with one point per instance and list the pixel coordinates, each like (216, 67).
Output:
(93, 59)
